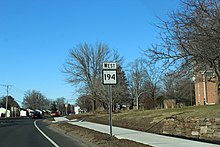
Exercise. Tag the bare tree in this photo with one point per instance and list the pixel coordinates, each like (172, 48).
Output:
(169, 81)
(137, 76)
(84, 103)
(119, 90)
(180, 88)
(144, 82)
(190, 38)
(152, 81)
(35, 100)
(60, 103)
(84, 68)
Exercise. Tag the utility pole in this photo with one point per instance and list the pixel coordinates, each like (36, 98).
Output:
(6, 101)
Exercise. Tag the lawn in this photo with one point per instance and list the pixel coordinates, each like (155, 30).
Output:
(149, 120)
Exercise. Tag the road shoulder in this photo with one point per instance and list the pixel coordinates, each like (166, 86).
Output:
(67, 138)
(91, 137)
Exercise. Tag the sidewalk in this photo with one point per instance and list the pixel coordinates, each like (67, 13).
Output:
(138, 136)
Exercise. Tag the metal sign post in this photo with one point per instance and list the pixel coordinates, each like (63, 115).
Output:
(109, 75)
(110, 108)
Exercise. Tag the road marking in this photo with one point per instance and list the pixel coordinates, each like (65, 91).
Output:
(48, 138)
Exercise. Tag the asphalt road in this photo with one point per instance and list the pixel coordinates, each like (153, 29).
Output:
(28, 132)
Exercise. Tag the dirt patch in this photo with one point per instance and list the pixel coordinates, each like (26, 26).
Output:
(93, 138)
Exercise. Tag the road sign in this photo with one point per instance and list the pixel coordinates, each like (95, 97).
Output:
(109, 73)
(109, 77)
(109, 65)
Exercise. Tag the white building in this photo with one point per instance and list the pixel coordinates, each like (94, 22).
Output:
(23, 113)
(3, 111)
(76, 109)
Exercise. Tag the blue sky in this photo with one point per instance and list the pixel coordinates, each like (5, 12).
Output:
(35, 37)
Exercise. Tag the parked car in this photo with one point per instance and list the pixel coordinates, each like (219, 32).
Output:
(55, 114)
(36, 115)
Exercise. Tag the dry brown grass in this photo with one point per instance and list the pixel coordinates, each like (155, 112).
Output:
(149, 120)
(93, 138)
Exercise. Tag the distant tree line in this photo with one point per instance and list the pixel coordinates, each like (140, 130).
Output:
(36, 100)
(59, 105)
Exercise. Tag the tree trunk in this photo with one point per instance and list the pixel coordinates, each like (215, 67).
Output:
(94, 105)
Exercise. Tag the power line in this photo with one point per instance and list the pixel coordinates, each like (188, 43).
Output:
(18, 90)
(15, 97)
(17, 93)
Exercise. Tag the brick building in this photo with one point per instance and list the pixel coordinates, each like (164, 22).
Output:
(206, 91)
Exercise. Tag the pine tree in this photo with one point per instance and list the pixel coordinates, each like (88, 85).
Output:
(121, 94)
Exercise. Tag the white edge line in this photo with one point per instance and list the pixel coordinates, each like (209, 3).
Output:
(48, 138)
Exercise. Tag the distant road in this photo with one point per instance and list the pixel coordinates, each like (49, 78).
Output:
(22, 132)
